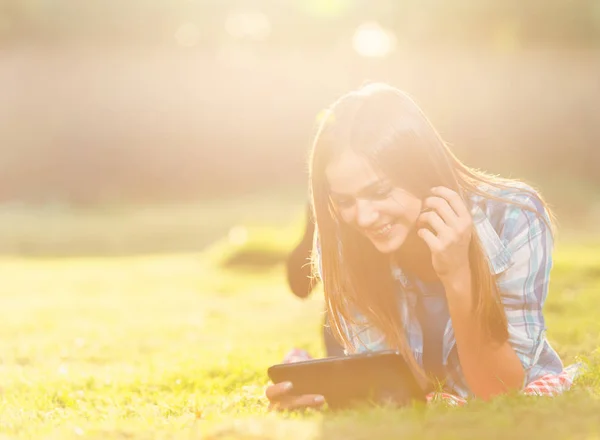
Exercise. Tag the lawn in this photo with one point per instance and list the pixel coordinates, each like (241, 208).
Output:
(176, 345)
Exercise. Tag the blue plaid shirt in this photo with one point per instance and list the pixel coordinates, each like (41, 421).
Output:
(519, 247)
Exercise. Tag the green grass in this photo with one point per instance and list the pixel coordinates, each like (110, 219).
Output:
(65, 230)
(177, 346)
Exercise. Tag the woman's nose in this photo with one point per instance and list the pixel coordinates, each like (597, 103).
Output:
(366, 215)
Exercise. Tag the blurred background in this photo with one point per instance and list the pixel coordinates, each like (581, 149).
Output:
(166, 125)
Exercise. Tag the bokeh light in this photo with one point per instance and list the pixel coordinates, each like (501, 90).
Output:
(248, 24)
(326, 8)
(238, 235)
(372, 40)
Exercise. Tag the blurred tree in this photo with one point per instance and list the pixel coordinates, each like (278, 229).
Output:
(466, 21)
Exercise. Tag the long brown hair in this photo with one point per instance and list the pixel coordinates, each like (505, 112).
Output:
(386, 126)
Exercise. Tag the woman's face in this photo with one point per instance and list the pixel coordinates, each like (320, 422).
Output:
(367, 201)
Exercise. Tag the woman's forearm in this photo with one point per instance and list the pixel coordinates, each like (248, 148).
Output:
(489, 368)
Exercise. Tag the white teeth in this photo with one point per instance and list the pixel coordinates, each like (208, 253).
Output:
(383, 230)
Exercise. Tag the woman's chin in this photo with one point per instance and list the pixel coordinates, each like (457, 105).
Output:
(388, 246)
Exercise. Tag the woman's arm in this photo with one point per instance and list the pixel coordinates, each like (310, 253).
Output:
(490, 368)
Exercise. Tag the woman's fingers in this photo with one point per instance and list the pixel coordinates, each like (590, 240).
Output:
(290, 403)
(281, 400)
(433, 219)
(278, 390)
(443, 208)
(449, 232)
(431, 240)
(455, 201)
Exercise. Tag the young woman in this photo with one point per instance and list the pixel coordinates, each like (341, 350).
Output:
(422, 254)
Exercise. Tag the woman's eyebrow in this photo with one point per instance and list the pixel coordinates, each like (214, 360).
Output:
(364, 190)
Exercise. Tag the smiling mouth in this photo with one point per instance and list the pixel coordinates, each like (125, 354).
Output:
(380, 232)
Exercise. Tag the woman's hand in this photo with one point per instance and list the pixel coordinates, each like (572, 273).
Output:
(450, 220)
(281, 398)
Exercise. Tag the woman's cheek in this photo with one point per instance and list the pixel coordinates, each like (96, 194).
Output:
(347, 215)
(413, 210)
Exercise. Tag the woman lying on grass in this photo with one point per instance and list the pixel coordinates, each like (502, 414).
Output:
(421, 254)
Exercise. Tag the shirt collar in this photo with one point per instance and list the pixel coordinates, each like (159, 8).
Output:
(498, 254)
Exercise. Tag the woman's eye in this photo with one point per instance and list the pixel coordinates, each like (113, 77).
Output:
(382, 193)
(344, 203)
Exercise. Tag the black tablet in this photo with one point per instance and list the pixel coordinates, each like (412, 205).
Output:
(376, 377)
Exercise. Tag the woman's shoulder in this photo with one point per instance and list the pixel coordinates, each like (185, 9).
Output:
(509, 194)
(511, 207)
